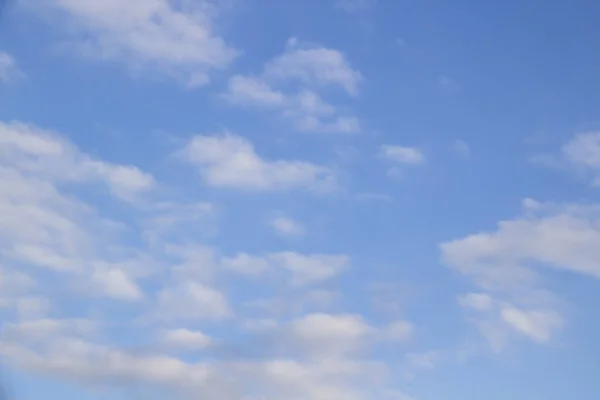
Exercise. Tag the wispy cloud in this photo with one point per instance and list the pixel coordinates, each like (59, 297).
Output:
(314, 67)
(231, 161)
(178, 41)
(9, 70)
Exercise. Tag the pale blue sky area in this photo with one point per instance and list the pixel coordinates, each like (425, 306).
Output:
(303, 200)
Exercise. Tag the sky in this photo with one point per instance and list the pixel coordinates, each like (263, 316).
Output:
(300, 200)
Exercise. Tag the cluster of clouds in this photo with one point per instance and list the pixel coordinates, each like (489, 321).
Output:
(57, 243)
(508, 265)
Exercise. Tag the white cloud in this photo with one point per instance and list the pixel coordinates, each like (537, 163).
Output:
(477, 301)
(582, 153)
(184, 339)
(333, 335)
(35, 150)
(40, 329)
(179, 40)
(245, 90)
(402, 155)
(285, 226)
(246, 264)
(115, 283)
(538, 325)
(308, 269)
(313, 67)
(300, 269)
(192, 300)
(508, 262)
(65, 237)
(43, 224)
(333, 379)
(231, 161)
(584, 150)
(9, 70)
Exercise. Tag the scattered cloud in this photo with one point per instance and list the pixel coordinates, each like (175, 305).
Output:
(313, 65)
(192, 300)
(230, 161)
(581, 154)
(302, 269)
(477, 301)
(180, 41)
(335, 335)
(308, 269)
(402, 155)
(285, 226)
(399, 156)
(9, 70)
(32, 149)
(310, 69)
(507, 264)
(537, 325)
(184, 339)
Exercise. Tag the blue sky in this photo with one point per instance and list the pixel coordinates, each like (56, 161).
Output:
(316, 200)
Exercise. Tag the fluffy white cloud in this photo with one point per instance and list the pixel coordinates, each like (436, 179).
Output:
(477, 301)
(314, 67)
(192, 300)
(115, 283)
(583, 152)
(285, 226)
(507, 264)
(42, 222)
(63, 244)
(41, 329)
(307, 269)
(9, 69)
(184, 339)
(402, 155)
(299, 269)
(246, 264)
(176, 38)
(538, 325)
(581, 155)
(34, 150)
(231, 161)
(333, 335)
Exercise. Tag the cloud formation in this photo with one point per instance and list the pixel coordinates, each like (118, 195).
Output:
(309, 69)
(147, 271)
(230, 161)
(177, 39)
